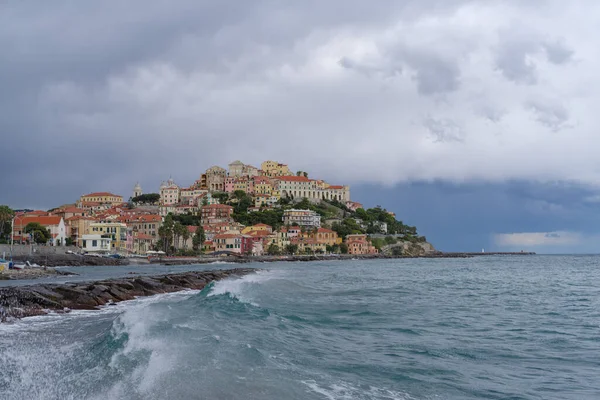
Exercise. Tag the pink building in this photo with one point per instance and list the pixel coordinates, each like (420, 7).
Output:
(229, 184)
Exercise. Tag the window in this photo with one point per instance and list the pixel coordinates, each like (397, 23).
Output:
(94, 243)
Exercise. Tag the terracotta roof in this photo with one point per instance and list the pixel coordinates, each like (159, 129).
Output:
(37, 212)
(227, 235)
(335, 187)
(78, 217)
(42, 220)
(292, 178)
(148, 218)
(101, 194)
(192, 229)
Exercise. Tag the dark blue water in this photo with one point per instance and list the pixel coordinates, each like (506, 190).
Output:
(481, 328)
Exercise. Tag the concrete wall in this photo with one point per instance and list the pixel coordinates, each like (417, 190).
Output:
(23, 250)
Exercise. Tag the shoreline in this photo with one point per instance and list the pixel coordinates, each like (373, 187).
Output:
(18, 302)
(71, 260)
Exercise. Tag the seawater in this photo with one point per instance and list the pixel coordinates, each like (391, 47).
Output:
(521, 327)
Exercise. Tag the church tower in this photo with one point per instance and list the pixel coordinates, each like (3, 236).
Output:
(137, 190)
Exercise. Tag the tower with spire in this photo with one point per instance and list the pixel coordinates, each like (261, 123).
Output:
(137, 190)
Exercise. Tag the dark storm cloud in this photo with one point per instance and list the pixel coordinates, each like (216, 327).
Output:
(99, 95)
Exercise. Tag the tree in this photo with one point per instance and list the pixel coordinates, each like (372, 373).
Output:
(273, 250)
(222, 197)
(165, 232)
(149, 198)
(390, 240)
(69, 242)
(6, 216)
(344, 248)
(179, 231)
(291, 249)
(39, 234)
(198, 239)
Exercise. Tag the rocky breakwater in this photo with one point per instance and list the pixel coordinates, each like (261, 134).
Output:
(25, 301)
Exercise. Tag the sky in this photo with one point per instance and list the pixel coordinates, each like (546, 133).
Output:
(476, 121)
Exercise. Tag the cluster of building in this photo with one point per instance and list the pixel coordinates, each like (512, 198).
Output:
(104, 222)
(266, 185)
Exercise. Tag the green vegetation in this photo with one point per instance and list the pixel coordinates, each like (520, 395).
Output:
(6, 216)
(198, 239)
(149, 199)
(272, 217)
(40, 234)
(187, 219)
(291, 249)
(273, 250)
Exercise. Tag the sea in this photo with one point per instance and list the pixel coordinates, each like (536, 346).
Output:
(489, 327)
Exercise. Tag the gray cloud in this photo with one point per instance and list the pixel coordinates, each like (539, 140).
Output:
(551, 114)
(97, 96)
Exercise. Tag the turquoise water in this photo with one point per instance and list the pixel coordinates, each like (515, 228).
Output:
(481, 328)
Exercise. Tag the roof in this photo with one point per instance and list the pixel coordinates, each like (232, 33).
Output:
(227, 236)
(148, 218)
(335, 187)
(293, 178)
(72, 210)
(42, 220)
(265, 225)
(78, 217)
(101, 194)
(192, 229)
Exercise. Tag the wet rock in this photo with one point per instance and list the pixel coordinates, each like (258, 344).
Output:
(24, 301)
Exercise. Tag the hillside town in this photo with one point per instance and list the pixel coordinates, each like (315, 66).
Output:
(242, 210)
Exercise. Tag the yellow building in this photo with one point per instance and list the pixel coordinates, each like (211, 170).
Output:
(327, 237)
(257, 228)
(274, 168)
(262, 186)
(308, 245)
(102, 198)
(114, 230)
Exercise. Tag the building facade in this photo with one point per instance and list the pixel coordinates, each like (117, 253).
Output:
(359, 244)
(305, 218)
(214, 213)
(102, 198)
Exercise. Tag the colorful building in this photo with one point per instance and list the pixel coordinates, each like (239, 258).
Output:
(359, 244)
(102, 198)
(305, 218)
(116, 231)
(235, 243)
(215, 213)
(54, 224)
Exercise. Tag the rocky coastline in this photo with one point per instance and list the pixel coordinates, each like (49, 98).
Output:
(25, 301)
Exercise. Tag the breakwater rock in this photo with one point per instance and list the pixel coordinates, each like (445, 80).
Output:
(25, 301)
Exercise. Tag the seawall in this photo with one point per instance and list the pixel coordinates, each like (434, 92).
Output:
(25, 301)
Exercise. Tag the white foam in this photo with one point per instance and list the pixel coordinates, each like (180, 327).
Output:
(240, 288)
(346, 391)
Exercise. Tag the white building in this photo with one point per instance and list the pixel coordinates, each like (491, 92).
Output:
(306, 218)
(95, 243)
(169, 193)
